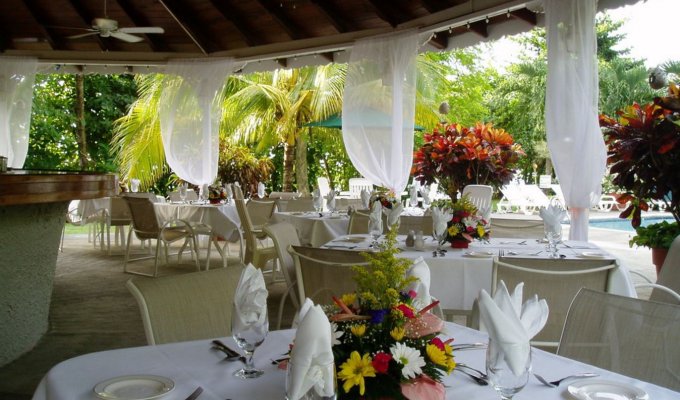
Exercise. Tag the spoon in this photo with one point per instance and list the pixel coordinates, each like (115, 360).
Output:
(557, 382)
(480, 381)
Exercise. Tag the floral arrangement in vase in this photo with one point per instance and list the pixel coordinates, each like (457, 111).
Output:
(466, 224)
(456, 156)
(384, 347)
(216, 193)
(387, 199)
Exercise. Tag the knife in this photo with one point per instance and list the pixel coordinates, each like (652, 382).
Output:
(221, 346)
(195, 394)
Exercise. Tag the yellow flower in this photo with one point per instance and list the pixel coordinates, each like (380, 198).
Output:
(349, 298)
(436, 355)
(480, 231)
(450, 364)
(354, 370)
(398, 333)
(453, 230)
(358, 330)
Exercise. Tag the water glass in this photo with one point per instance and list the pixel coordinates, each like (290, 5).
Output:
(375, 229)
(183, 191)
(248, 337)
(501, 377)
(553, 237)
(327, 371)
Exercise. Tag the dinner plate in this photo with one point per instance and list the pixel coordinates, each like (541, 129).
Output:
(134, 387)
(600, 389)
(352, 239)
(592, 254)
(478, 254)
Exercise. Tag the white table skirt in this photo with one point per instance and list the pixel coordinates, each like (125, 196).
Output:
(456, 279)
(193, 364)
(312, 229)
(223, 218)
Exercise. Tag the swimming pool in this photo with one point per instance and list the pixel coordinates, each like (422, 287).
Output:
(624, 224)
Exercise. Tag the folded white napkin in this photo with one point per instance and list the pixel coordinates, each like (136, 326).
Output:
(330, 200)
(512, 324)
(413, 195)
(425, 194)
(420, 270)
(316, 198)
(227, 189)
(260, 189)
(250, 299)
(312, 351)
(375, 217)
(393, 214)
(365, 199)
(440, 218)
(552, 217)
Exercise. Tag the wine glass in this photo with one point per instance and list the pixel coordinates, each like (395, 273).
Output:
(375, 229)
(501, 376)
(183, 191)
(318, 204)
(553, 236)
(248, 337)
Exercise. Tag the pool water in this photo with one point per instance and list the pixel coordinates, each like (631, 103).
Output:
(624, 224)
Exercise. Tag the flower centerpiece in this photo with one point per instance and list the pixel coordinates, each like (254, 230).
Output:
(457, 156)
(384, 347)
(216, 194)
(466, 224)
(386, 199)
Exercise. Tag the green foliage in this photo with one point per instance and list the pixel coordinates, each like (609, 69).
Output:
(239, 164)
(655, 236)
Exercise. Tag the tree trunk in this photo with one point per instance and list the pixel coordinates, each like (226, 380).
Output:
(288, 162)
(301, 169)
(81, 139)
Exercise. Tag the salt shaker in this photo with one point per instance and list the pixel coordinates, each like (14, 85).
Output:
(419, 242)
(410, 238)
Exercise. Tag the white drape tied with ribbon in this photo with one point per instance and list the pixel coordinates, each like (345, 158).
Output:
(190, 117)
(575, 141)
(379, 107)
(17, 75)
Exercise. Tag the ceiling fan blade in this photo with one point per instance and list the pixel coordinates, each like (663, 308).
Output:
(142, 29)
(82, 35)
(126, 37)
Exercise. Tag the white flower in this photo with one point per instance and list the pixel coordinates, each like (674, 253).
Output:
(335, 334)
(409, 358)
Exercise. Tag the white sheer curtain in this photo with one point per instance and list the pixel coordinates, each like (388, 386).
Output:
(574, 138)
(190, 117)
(17, 76)
(379, 107)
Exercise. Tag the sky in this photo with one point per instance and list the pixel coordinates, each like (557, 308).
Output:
(651, 29)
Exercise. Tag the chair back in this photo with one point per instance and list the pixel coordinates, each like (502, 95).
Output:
(555, 280)
(144, 221)
(175, 198)
(517, 228)
(119, 213)
(358, 222)
(192, 306)
(237, 192)
(343, 204)
(480, 196)
(324, 273)
(415, 223)
(303, 204)
(356, 185)
(260, 212)
(669, 275)
(283, 234)
(284, 195)
(633, 337)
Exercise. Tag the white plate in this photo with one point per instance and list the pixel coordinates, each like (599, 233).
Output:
(478, 254)
(134, 387)
(600, 389)
(592, 254)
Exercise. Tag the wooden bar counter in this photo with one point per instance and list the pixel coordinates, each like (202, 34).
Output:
(33, 206)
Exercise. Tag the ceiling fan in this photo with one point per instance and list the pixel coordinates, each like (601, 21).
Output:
(106, 27)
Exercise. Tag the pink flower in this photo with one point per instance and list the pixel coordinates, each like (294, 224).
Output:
(406, 310)
(381, 362)
(412, 294)
(423, 388)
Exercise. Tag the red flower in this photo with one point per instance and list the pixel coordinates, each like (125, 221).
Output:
(406, 310)
(381, 362)
(412, 294)
(438, 342)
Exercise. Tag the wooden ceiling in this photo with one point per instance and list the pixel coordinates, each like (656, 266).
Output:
(282, 32)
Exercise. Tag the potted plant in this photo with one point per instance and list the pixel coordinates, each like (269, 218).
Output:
(644, 155)
(456, 156)
(657, 237)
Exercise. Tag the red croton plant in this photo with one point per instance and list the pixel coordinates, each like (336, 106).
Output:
(644, 154)
(457, 156)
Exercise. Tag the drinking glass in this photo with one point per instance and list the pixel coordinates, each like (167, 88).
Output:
(134, 185)
(248, 337)
(375, 229)
(501, 377)
(183, 191)
(318, 204)
(311, 394)
(553, 236)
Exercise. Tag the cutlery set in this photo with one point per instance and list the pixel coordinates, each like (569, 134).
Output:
(232, 355)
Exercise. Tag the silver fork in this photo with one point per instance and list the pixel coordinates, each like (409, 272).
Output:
(557, 382)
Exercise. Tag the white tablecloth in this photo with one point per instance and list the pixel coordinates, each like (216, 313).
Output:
(193, 364)
(456, 278)
(312, 229)
(223, 218)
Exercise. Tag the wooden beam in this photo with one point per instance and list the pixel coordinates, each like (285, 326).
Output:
(432, 6)
(156, 42)
(229, 13)
(333, 14)
(292, 30)
(87, 19)
(384, 12)
(479, 28)
(440, 40)
(183, 17)
(525, 15)
(43, 23)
